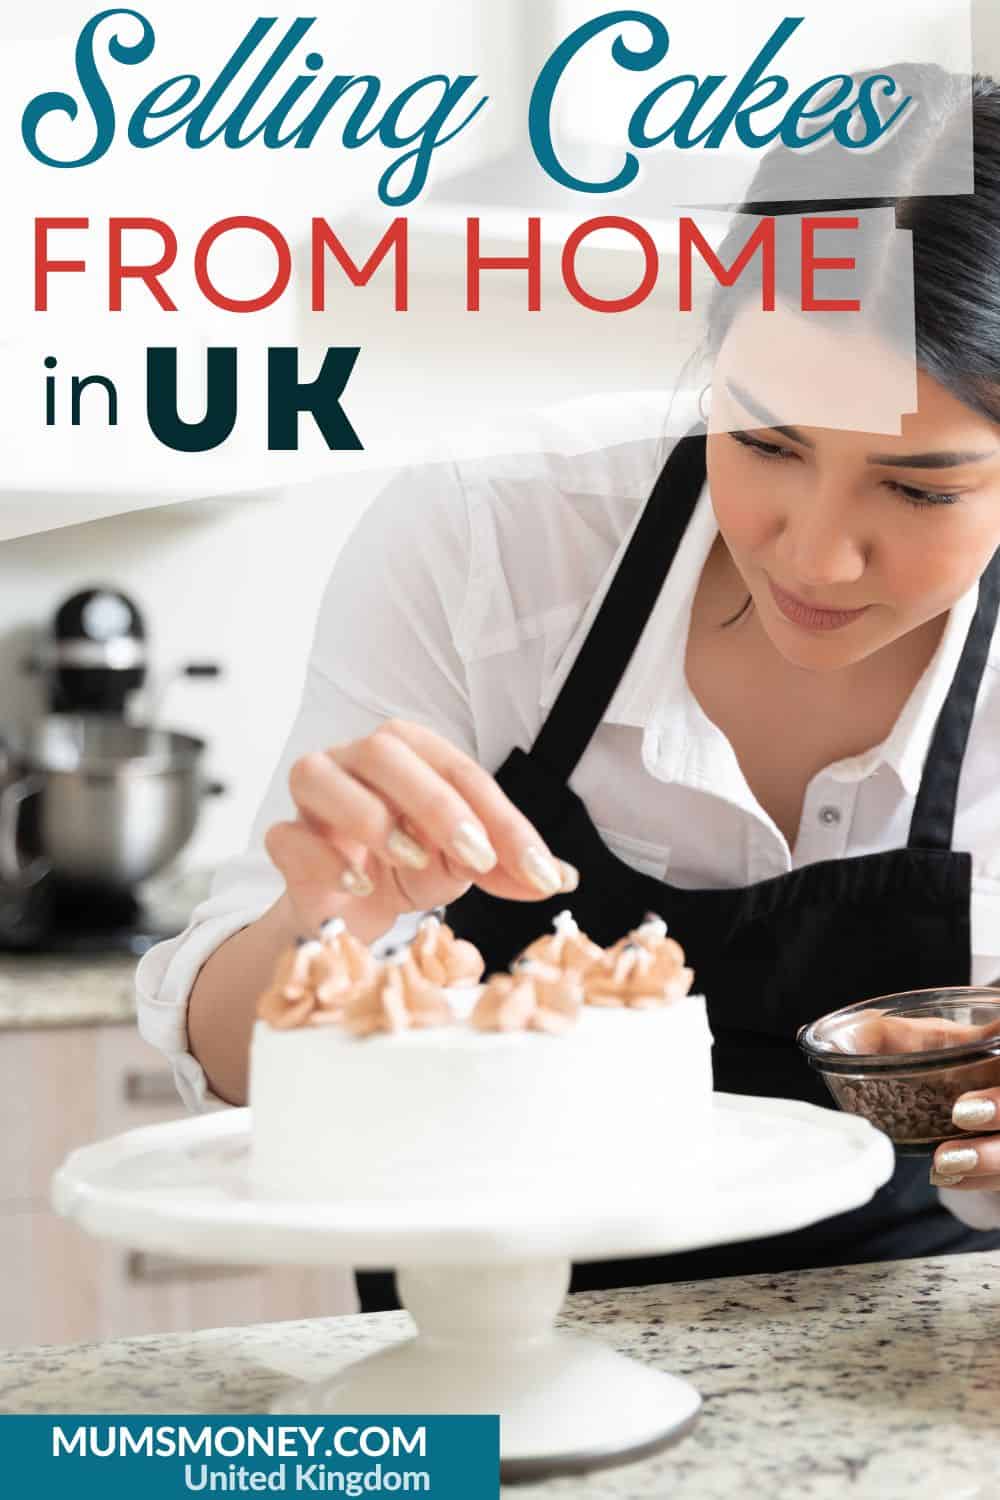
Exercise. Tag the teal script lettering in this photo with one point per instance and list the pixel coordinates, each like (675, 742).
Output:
(413, 122)
(755, 91)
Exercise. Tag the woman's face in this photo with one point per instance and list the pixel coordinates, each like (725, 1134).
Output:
(844, 540)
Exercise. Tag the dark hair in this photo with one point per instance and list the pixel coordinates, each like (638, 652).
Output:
(956, 237)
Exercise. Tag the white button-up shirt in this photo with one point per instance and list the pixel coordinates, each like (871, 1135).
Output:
(461, 601)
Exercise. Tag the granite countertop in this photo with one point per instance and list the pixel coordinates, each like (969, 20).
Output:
(876, 1382)
(96, 988)
(44, 989)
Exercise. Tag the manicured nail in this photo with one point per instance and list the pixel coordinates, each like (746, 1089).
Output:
(473, 847)
(407, 850)
(356, 883)
(957, 1161)
(944, 1179)
(541, 869)
(570, 876)
(974, 1112)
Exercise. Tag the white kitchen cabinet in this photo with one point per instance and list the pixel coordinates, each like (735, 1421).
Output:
(61, 1088)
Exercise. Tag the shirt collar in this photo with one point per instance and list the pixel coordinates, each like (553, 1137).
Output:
(654, 677)
(653, 695)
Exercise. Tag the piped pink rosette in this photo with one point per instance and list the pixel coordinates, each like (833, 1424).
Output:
(443, 958)
(290, 998)
(566, 947)
(344, 965)
(534, 996)
(397, 998)
(313, 981)
(641, 971)
(872, 1031)
(334, 979)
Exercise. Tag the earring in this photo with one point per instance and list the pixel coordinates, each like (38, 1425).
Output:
(701, 403)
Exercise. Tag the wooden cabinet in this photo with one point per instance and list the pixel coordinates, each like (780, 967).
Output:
(61, 1088)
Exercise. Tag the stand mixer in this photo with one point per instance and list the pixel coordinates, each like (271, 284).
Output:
(91, 804)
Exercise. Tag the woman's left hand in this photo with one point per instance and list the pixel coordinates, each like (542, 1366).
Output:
(973, 1163)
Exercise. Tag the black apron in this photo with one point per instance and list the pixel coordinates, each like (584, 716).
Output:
(768, 957)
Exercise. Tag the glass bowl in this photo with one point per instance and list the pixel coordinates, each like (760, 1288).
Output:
(902, 1060)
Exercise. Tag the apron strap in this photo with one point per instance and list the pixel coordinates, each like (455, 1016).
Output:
(933, 823)
(614, 634)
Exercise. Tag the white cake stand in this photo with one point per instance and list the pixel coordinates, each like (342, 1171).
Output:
(484, 1278)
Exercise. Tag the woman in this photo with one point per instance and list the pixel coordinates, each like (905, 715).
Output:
(767, 707)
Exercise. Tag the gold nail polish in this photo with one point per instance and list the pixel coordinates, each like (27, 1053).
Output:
(957, 1160)
(944, 1179)
(473, 847)
(356, 883)
(974, 1112)
(407, 850)
(542, 871)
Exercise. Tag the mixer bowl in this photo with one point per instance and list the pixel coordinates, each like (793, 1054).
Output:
(111, 803)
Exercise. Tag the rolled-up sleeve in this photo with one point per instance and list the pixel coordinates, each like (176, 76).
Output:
(384, 647)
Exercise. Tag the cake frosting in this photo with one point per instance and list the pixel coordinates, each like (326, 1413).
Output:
(396, 998)
(554, 1078)
(533, 996)
(872, 1031)
(566, 946)
(314, 979)
(651, 937)
(442, 957)
(291, 996)
(639, 975)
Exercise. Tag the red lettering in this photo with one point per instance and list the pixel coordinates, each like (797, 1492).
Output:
(243, 304)
(810, 262)
(762, 237)
(118, 271)
(614, 304)
(532, 263)
(394, 239)
(42, 263)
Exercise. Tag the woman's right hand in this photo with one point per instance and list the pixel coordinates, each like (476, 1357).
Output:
(401, 820)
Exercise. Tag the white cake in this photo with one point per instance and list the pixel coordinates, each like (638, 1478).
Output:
(619, 1103)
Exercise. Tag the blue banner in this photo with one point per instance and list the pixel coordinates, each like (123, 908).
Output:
(168, 1458)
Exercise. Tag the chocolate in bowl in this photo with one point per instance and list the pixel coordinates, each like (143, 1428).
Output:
(902, 1061)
